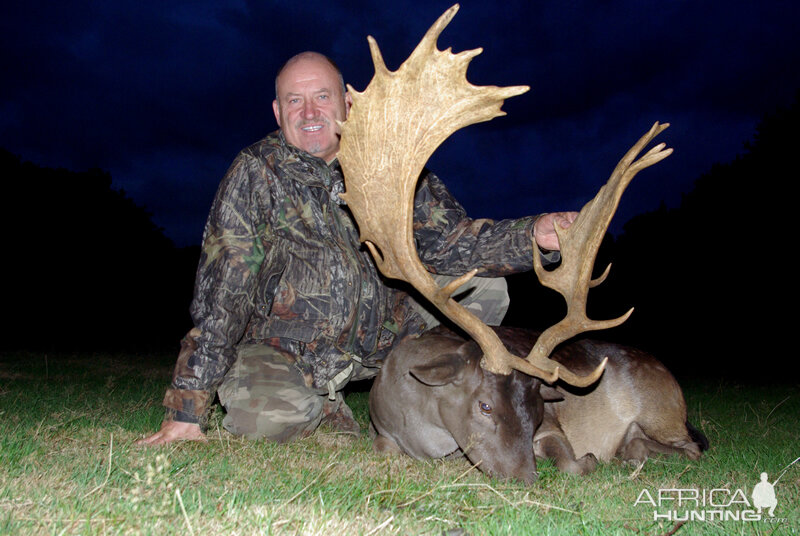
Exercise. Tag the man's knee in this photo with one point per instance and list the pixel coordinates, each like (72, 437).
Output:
(489, 299)
(265, 396)
(485, 297)
(279, 417)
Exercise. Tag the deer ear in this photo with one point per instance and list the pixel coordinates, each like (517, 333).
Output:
(550, 394)
(441, 370)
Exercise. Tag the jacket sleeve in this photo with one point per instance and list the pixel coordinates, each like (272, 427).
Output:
(451, 243)
(232, 254)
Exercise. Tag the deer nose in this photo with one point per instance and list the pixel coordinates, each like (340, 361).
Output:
(528, 478)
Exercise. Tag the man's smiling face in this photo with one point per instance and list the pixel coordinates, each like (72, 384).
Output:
(310, 99)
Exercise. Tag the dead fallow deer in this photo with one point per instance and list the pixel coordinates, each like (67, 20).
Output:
(439, 393)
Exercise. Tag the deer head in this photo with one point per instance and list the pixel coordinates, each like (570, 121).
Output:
(394, 126)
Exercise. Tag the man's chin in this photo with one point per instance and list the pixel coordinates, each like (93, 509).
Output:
(321, 148)
(326, 152)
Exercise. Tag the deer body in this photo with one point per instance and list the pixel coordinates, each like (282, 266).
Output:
(424, 404)
(636, 409)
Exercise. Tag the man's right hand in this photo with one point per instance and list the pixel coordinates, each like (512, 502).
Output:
(174, 431)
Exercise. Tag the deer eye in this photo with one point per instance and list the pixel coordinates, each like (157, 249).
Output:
(486, 409)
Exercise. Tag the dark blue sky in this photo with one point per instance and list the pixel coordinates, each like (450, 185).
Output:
(163, 94)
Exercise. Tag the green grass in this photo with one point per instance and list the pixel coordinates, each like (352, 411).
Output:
(68, 466)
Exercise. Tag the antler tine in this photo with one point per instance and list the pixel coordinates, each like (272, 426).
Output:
(579, 244)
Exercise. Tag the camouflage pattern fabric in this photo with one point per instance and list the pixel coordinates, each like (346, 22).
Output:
(282, 266)
(266, 397)
(485, 297)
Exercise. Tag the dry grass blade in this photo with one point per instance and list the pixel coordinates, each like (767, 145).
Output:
(299, 493)
(108, 471)
(434, 489)
(635, 474)
(381, 526)
(183, 511)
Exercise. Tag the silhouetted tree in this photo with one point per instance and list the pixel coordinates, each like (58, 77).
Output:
(711, 279)
(88, 269)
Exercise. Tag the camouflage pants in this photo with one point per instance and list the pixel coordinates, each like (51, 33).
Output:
(266, 396)
(485, 297)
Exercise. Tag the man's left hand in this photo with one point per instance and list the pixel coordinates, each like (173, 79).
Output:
(544, 231)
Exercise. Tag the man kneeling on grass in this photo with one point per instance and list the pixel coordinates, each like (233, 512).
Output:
(288, 306)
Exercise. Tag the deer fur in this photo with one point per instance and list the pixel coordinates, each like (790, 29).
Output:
(427, 400)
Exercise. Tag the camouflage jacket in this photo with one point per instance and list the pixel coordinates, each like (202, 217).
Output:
(281, 264)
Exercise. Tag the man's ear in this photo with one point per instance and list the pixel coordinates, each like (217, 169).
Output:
(348, 102)
(276, 109)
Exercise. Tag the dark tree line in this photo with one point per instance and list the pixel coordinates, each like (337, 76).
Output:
(711, 280)
(86, 268)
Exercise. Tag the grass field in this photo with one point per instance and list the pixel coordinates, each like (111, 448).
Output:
(68, 466)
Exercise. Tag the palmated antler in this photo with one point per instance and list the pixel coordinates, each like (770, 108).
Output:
(579, 244)
(393, 128)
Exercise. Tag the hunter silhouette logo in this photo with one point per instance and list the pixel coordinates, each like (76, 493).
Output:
(764, 496)
(764, 492)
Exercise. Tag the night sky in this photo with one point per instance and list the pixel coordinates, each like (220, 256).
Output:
(164, 94)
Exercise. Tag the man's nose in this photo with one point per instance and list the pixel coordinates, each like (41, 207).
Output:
(309, 109)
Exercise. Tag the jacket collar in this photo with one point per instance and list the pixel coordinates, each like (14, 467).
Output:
(304, 167)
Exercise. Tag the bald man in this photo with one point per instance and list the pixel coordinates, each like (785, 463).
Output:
(288, 306)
